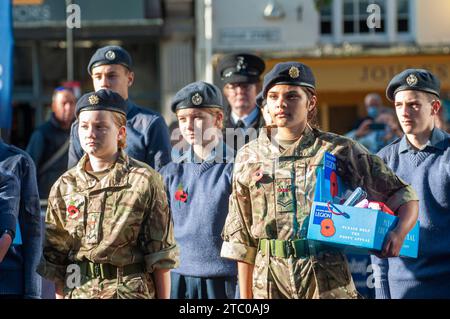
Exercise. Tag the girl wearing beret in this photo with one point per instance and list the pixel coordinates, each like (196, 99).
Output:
(199, 185)
(273, 191)
(108, 226)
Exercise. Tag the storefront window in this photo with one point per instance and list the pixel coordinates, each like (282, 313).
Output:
(326, 19)
(356, 16)
(403, 8)
(366, 21)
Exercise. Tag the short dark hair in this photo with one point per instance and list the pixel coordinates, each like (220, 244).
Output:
(430, 96)
(61, 89)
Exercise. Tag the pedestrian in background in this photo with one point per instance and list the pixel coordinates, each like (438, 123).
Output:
(240, 74)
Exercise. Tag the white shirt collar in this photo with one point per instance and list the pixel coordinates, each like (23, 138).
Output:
(247, 119)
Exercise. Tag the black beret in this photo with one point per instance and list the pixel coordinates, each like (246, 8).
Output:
(197, 95)
(291, 73)
(111, 54)
(413, 79)
(103, 99)
(240, 68)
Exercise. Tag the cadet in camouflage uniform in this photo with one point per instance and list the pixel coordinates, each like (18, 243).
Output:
(109, 232)
(273, 191)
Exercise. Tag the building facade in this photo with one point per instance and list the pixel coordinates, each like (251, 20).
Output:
(159, 34)
(353, 46)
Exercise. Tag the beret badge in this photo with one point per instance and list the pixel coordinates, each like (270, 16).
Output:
(110, 55)
(197, 99)
(241, 65)
(93, 99)
(294, 72)
(412, 80)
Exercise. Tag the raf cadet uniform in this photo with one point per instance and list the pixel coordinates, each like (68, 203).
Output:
(241, 68)
(267, 225)
(147, 133)
(112, 227)
(428, 276)
(198, 192)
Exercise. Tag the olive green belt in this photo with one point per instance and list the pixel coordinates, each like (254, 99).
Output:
(108, 271)
(298, 248)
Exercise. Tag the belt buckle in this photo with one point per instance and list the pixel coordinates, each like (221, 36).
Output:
(290, 250)
(97, 270)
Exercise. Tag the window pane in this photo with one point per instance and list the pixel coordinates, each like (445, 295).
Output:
(363, 28)
(325, 27)
(348, 7)
(383, 28)
(403, 25)
(363, 7)
(325, 11)
(403, 7)
(348, 27)
(382, 5)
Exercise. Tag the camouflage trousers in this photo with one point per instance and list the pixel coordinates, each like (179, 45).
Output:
(135, 286)
(324, 276)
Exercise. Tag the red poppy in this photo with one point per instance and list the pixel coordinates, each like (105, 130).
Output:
(181, 195)
(73, 211)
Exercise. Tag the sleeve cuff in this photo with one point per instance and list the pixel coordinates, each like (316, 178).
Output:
(380, 272)
(164, 259)
(402, 196)
(52, 272)
(7, 221)
(239, 252)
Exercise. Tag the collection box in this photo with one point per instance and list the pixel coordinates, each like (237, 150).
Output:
(356, 230)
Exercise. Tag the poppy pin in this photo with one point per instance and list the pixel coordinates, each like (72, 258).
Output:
(73, 212)
(180, 194)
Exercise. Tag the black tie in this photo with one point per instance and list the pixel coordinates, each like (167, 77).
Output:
(240, 124)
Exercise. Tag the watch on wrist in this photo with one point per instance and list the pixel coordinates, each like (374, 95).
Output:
(9, 232)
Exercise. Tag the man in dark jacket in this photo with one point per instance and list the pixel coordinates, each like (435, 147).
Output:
(49, 144)
(147, 134)
(240, 74)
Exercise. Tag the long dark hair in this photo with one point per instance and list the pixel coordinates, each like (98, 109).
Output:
(312, 115)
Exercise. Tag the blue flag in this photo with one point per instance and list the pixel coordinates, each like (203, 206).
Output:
(6, 63)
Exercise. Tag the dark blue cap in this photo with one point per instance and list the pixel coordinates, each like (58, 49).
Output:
(197, 95)
(413, 79)
(290, 73)
(240, 68)
(102, 100)
(111, 54)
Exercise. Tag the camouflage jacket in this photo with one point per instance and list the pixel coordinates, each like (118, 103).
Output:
(122, 219)
(259, 208)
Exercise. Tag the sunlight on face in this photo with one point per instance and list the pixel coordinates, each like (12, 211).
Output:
(287, 106)
(197, 126)
(98, 134)
(415, 111)
(115, 77)
(241, 97)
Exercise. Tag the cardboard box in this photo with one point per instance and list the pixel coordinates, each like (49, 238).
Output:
(356, 230)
